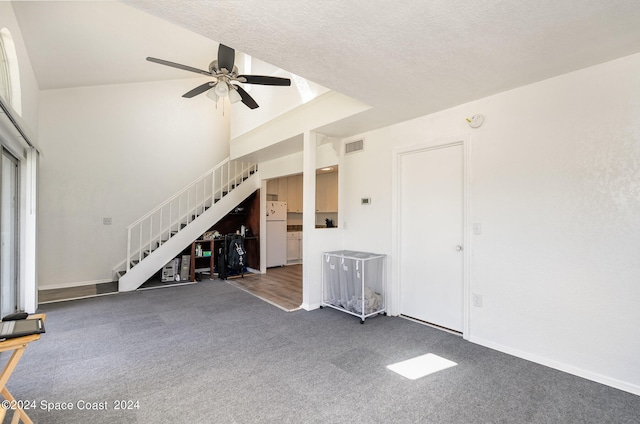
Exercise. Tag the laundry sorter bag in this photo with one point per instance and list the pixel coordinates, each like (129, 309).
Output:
(331, 278)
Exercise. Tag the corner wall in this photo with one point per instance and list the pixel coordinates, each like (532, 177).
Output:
(115, 152)
(554, 183)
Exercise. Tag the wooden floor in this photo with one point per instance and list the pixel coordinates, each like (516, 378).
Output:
(55, 295)
(281, 286)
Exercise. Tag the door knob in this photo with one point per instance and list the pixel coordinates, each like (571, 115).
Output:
(459, 248)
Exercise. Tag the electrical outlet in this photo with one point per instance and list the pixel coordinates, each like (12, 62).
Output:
(106, 221)
(477, 300)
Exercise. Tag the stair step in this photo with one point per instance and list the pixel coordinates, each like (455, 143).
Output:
(134, 263)
(120, 274)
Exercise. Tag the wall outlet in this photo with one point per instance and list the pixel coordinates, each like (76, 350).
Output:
(477, 300)
(106, 221)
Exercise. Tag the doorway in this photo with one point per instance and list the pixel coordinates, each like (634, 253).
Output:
(9, 184)
(431, 233)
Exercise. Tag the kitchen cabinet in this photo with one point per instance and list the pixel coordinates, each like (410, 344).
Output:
(327, 192)
(287, 189)
(294, 193)
(272, 188)
(294, 246)
(283, 189)
(278, 187)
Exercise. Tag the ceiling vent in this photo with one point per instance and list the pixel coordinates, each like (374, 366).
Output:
(353, 146)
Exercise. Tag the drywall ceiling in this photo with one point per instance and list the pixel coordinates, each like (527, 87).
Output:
(405, 59)
(77, 44)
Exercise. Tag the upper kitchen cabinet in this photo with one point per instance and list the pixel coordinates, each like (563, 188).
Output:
(327, 197)
(287, 189)
(327, 191)
(272, 189)
(277, 189)
(294, 193)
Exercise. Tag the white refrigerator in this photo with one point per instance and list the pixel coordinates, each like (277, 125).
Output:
(276, 233)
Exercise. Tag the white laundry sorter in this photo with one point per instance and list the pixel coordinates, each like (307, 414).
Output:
(353, 282)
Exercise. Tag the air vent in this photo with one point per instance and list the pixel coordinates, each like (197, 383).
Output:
(353, 146)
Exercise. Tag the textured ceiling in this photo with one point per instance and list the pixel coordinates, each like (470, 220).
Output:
(405, 59)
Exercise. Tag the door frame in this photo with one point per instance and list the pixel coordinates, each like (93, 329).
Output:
(394, 288)
(16, 258)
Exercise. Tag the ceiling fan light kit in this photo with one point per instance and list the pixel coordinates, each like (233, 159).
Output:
(221, 89)
(234, 96)
(223, 85)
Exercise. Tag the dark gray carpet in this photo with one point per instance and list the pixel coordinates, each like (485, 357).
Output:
(211, 353)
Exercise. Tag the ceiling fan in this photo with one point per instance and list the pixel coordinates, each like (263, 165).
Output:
(225, 73)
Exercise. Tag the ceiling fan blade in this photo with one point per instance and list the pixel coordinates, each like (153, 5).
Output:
(226, 57)
(179, 66)
(198, 90)
(263, 80)
(246, 98)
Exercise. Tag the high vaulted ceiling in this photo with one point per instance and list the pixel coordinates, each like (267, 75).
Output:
(405, 58)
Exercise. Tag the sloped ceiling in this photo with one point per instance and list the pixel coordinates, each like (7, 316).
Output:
(406, 59)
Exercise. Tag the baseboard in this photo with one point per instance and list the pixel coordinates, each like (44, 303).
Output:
(310, 306)
(570, 369)
(75, 284)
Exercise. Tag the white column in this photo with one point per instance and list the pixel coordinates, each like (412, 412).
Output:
(263, 226)
(310, 290)
(29, 286)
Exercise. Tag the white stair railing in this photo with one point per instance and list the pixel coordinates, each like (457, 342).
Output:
(167, 219)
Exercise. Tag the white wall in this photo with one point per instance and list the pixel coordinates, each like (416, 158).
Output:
(115, 152)
(555, 183)
(272, 100)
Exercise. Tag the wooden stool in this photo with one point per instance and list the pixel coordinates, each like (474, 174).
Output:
(18, 346)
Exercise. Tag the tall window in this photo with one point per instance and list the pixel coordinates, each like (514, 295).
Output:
(9, 72)
(5, 87)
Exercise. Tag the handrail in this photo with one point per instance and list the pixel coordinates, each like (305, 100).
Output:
(183, 208)
(175, 196)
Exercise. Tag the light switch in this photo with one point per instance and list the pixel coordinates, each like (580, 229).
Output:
(106, 221)
(477, 228)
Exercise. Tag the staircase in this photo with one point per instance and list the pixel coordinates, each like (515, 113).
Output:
(164, 232)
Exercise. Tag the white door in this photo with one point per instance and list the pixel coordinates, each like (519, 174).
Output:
(431, 234)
